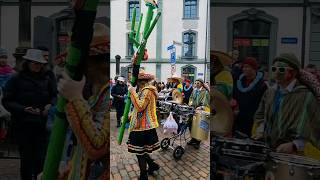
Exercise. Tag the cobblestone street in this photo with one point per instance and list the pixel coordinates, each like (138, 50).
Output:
(9, 162)
(9, 169)
(194, 164)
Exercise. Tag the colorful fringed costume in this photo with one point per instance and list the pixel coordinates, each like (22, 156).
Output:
(143, 122)
(90, 124)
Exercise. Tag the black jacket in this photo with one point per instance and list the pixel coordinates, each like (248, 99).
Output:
(26, 89)
(187, 94)
(119, 90)
(248, 105)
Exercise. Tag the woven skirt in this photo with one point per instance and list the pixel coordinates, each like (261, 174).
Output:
(141, 142)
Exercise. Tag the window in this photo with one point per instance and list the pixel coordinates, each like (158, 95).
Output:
(130, 50)
(189, 72)
(189, 44)
(131, 5)
(251, 38)
(190, 9)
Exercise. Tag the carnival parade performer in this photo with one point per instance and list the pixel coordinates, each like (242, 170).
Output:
(89, 119)
(200, 100)
(143, 138)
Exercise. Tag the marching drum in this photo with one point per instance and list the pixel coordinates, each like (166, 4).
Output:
(238, 158)
(184, 109)
(240, 148)
(164, 94)
(293, 167)
(164, 106)
(200, 126)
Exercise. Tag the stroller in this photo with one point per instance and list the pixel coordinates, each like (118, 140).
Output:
(183, 114)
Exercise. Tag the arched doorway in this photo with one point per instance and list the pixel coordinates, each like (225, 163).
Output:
(189, 72)
(253, 33)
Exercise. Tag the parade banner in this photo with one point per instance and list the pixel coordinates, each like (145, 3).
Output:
(82, 31)
(140, 46)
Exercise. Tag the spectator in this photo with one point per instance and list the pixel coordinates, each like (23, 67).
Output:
(5, 70)
(28, 95)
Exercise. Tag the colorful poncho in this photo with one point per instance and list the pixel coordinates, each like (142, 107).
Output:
(289, 115)
(90, 124)
(143, 116)
(199, 97)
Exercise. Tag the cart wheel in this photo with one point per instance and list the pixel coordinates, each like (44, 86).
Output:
(164, 144)
(178, 152)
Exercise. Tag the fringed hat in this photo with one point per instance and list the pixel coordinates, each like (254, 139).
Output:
(145, 76)
(100, 43)
(174, 77)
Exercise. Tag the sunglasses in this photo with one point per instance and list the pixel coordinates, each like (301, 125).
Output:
(280, 69)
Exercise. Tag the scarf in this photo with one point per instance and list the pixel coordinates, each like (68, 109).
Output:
(251, 85)
(6, 70)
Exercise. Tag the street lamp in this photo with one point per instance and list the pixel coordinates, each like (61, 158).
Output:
(24, 31)
(118, 57)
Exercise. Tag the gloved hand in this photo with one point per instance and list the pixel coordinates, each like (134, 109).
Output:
(71, 89)
(131, 89)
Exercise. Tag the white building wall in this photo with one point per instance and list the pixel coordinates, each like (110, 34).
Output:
(172, 28)
(174, 25)
(151, 45)
(149, 68)
(166, 72)
(212, 22)
(118, 28)
(10, 24)
(287, 26)
(202, 28)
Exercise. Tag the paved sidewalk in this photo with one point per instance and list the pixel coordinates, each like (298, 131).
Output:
(194, 164)
(9, 169)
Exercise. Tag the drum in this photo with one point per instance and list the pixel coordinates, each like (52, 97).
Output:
(164, 106)
(238, 158)
(200, 126)
(184, 109)
(293, 167)
(163, 95)
(247, 149)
